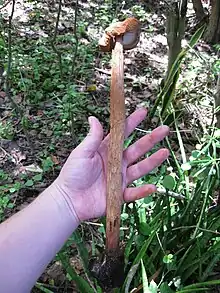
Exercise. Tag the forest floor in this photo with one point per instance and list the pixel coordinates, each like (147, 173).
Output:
(35, 145)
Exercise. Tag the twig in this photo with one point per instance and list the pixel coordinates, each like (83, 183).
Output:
(8, 74)
(4, 152)
(6, 116)
(4, 5)
(72, 130)
(172, 131)
(101, 225)
(199, 228)
(170, 193)
(94, 224)
(76, 38)
(54, 39)
(125, 76)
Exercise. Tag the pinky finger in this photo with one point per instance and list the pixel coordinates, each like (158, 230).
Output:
(134, 193)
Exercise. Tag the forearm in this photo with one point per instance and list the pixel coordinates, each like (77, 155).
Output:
(31, 238)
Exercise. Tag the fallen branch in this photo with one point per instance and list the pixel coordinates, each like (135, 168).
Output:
(131, 78)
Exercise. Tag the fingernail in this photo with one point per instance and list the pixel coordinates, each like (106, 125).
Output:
(166, 128)
(90, 120)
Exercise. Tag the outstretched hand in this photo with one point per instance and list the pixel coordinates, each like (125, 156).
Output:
(82, 180)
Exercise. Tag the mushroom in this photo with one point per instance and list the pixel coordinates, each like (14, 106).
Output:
(118, 36)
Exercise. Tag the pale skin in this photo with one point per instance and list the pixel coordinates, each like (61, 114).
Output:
(91, 155)
(30, 239)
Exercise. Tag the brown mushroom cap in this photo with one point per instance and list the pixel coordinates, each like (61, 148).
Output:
(129, 29)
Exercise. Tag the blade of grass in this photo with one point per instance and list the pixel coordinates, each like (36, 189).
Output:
(83, 252)
(142, 252)
(42, 288)
(81, 284)
(144, 278)
(180, 171)
(187, 217)
(183, 154)
(210, 267)
(170, 95)
(197, 285)
(205, 199)
(129, 278)
(193, 290)
(128, 248)
(170, 81)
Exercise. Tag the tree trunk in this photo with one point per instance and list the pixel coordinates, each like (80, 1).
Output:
(212, 34)
(197, 6)
(217, 102)
(175, 30)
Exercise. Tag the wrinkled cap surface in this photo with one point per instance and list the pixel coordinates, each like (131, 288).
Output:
(129, 30)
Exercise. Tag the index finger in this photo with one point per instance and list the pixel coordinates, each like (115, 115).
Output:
(132, 122)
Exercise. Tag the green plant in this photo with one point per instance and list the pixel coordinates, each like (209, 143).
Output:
(147, 288)
(5, 202)
(3, 176)
(71, 107)
(179, 240)
(6, 130)
(167, 93)
(140, 12)
(47, 164)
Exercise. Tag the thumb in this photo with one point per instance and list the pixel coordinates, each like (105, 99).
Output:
(91, 143)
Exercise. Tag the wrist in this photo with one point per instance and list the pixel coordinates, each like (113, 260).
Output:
(64, 202)
(32, 237)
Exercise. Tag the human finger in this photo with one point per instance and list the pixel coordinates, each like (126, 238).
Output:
(145, 144)
(134, 193)
(134, 120)
(131, 123)
(92, 141)
(147, 165)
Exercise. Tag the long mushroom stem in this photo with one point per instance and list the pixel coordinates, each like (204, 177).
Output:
(109, 269)
(115, 150)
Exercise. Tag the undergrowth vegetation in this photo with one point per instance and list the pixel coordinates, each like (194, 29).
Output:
(53, 77)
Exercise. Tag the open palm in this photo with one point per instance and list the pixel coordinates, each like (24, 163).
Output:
(83, 177)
